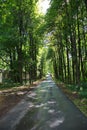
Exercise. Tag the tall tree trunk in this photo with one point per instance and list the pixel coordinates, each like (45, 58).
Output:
(68, 65)
(32, 53)
(84, 46)
(20, 66)
(21, 40)
(55, 65)
(79, 48)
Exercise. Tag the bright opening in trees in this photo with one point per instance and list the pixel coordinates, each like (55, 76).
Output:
(43, 6)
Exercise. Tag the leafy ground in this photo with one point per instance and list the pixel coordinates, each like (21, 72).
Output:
(74, 96)
(10, 97)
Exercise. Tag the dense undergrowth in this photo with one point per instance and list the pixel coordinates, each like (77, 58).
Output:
(81, 89)
(8, 84)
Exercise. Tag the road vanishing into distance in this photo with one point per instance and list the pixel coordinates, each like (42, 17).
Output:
(44, 108)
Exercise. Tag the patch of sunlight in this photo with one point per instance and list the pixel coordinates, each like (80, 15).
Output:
(51, 111)
(21, 93)
(45, 108)
(40, 105)
(56, 122)
(34, 128)
(43, 5)
(31, 105)
(59, 111)
(51, 102)
(49, 81)
(43, 90)
(31, 95)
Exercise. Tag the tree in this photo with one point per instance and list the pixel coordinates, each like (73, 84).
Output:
(69, 38)
(18, 37)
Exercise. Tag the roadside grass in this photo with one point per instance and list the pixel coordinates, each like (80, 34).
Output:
(77, 94)
(82, 105)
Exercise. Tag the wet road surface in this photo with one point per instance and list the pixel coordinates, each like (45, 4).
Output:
(45, 108)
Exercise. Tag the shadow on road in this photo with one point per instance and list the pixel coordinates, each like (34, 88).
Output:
(45, 108)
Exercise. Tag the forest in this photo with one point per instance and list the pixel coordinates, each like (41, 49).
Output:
(34, 44)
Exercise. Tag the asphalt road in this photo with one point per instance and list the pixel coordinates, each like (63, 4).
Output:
(45, 108)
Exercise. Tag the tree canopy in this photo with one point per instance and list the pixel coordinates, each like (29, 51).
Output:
(30, 41)
(67, 20)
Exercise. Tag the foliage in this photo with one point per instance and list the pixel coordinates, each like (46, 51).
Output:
(19, 38)
(61, 32)
(82, 90)
(8, 84)
(66, 23)
(72, 87)
(83, 94)
(50, 54)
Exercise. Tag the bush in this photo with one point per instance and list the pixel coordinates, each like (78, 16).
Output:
(73, 87)
(8, 84)
(84, 85)
(83, 94)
